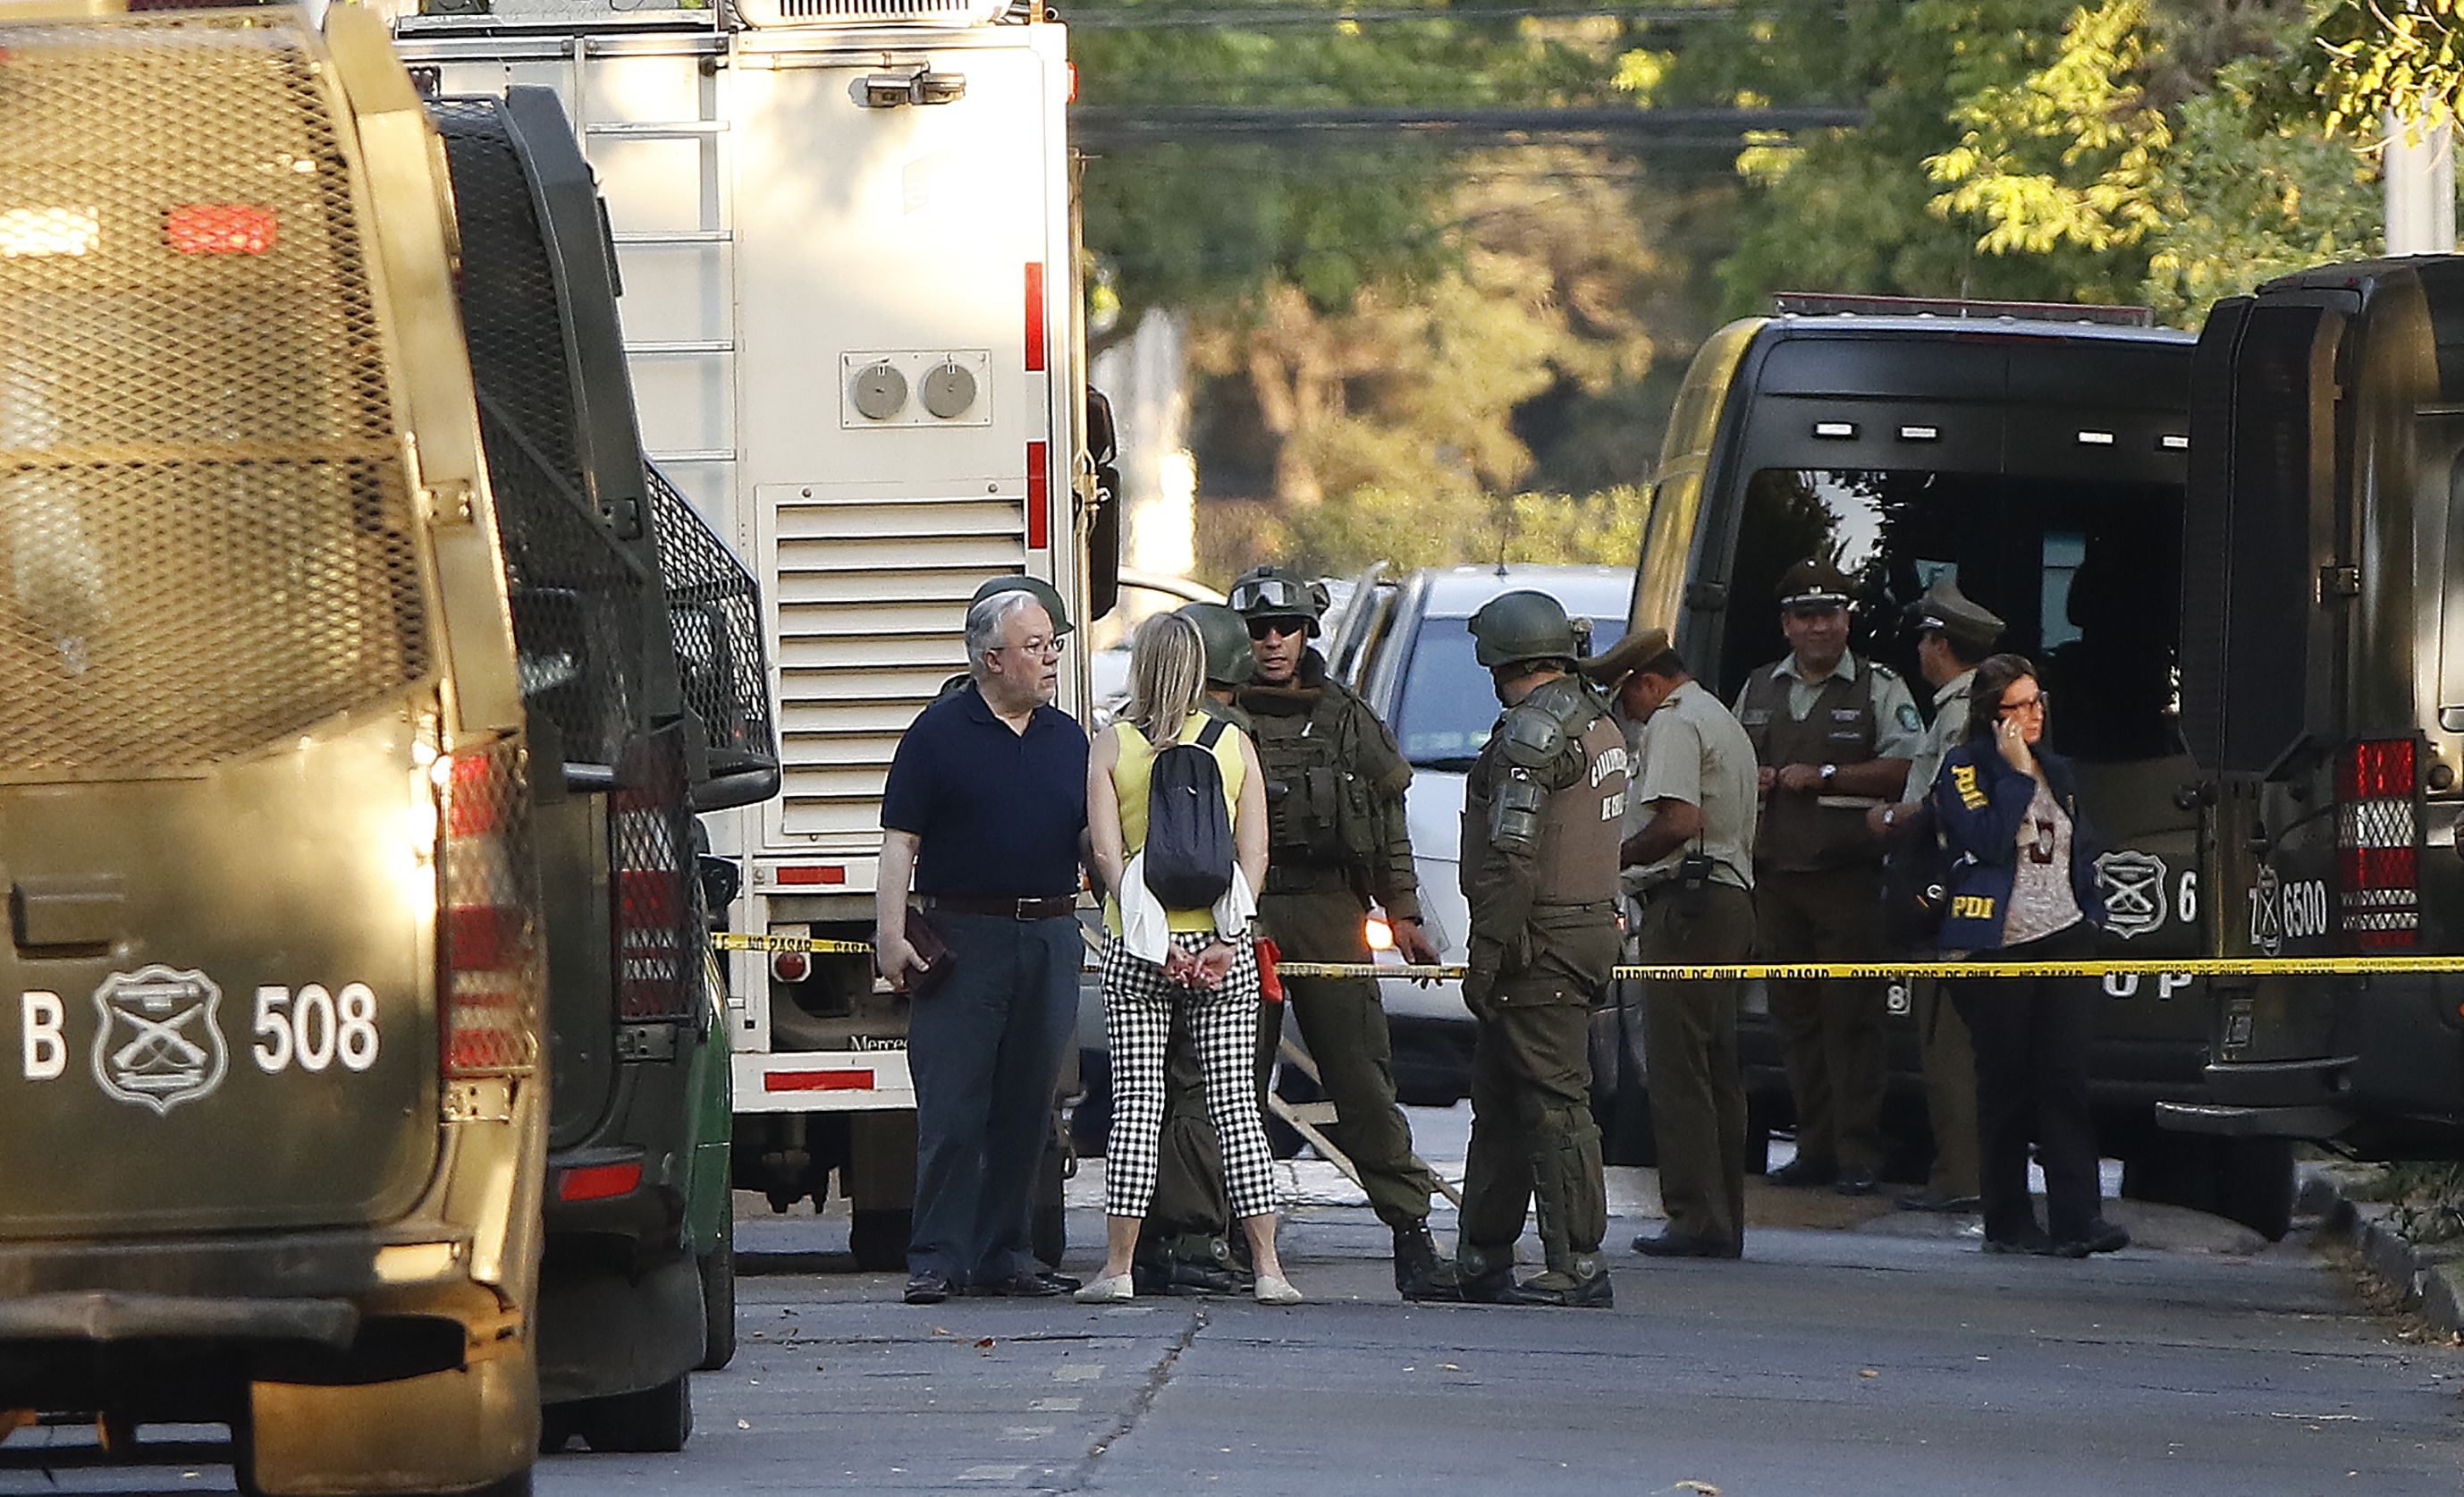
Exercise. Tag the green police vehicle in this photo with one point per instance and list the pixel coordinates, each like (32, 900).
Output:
(2324, 699)
(277, 1124)
(643, 669)
(375, 677)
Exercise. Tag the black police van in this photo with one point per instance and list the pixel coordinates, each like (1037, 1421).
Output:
(2324, 698)
(2039, 454)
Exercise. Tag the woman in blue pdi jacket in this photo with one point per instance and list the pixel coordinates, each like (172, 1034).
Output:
(2023, 889)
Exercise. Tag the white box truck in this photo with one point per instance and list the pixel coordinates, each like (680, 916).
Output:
(847, 240)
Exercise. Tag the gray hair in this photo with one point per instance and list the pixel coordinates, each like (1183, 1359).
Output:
(985, 619)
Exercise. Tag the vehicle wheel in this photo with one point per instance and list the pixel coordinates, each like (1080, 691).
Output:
(879, 1239)
(719, 1303)
(2256, 1186)
(655, 1420)
(1049, 1231)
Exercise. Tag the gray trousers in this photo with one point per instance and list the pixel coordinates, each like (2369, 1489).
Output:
(985, 1052)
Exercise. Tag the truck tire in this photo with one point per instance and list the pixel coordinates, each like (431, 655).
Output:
(655, 1420)
(878, 1237)
(719, 1303)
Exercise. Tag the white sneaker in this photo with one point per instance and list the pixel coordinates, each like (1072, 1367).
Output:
(1273, 1290)
(1100, 1291)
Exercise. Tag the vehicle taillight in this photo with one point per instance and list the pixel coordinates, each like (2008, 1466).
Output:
(219, 229)
(490, 973)
(2378, 832)
(649, 850)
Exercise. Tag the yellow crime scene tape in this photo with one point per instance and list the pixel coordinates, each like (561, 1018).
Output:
(737, 940)
(1787, 971)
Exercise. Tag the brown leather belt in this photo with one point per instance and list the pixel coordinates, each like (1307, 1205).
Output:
(1050, 908)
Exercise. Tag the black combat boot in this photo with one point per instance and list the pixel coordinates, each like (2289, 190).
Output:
(1482, 1276)
(1419, 1273)
(1581, 1283)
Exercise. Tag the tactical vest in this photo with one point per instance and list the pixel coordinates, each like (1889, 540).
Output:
(1323, 774)
(1797, 834)
(1580, 825)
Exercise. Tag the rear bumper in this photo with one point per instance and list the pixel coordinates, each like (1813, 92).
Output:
(119, 1316)
(2225, 1121)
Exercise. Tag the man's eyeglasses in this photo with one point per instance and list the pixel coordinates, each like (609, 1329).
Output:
(1036, 644)
(1269, 629)
(2036, 703)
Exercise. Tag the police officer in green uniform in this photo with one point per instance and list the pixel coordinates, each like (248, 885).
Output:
(1834, 736)
(1337, 843)
(1689, 854)
(1954, 634)
(1542, 811)
(1185, 1241)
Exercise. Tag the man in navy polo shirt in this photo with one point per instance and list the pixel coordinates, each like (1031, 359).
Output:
(985, 815)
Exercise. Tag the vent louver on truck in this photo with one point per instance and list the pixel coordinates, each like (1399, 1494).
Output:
(871, 600)
(868, 13)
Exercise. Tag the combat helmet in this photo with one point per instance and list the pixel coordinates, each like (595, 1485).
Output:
(1222, 629)
(1044, 592)
(1269, 592)
(1523, 626)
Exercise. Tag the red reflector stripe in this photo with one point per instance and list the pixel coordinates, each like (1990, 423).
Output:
(219, 229)
(818, 1081)
(1039, 498)
(831, 875)
(1034, 316)
(599, 1182)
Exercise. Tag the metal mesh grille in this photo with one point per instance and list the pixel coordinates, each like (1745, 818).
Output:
(496, 967)
(715, 618)
(205, 537)
(656, 936)
(576, 623)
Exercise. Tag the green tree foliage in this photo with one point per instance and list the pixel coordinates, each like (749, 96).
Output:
(1405, 530)
(2116, 150)
(2377, 58)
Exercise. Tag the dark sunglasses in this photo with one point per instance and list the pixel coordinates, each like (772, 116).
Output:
(1268, 628)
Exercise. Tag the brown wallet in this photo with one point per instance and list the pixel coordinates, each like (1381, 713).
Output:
(935, 953)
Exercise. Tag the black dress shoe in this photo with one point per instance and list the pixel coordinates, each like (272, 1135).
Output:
(1929, 1198)
(1799, 1174)
(927, 1287)
(2103, 1236)
(1027, 1284)
(2036, 1245)
(1678, 1244)
(1855, 1180)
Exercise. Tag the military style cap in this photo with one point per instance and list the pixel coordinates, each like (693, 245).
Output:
(1622, 659)
(1523, 626)
(1269, 592)
(1812, 583)
(1225, 634)
(1945, 607)
(1045, 593)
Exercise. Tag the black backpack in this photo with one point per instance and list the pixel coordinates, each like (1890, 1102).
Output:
(1189, 846)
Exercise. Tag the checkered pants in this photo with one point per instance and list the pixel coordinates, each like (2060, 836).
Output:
(1223, 1024)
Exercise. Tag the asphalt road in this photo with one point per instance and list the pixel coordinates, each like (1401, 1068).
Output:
(1870, 1354)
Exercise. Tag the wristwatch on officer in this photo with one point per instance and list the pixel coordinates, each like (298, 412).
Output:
(1830, 772)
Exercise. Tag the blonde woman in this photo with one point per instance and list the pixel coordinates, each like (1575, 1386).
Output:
(1211, 973)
